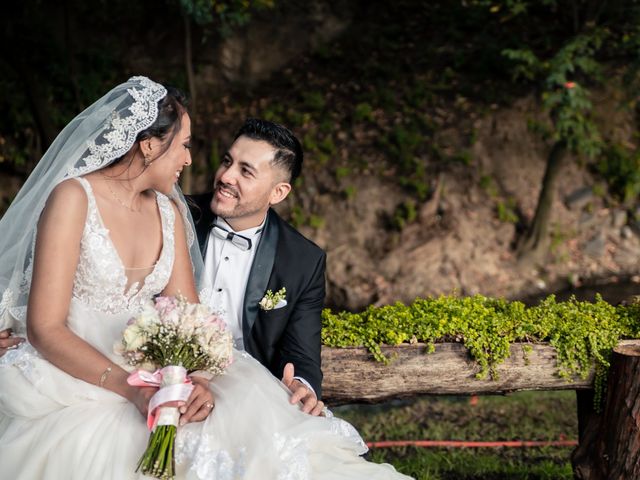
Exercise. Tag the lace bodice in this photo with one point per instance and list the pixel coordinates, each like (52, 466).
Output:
(101, 281)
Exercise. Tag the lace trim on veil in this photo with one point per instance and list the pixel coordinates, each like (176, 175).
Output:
(120, 131)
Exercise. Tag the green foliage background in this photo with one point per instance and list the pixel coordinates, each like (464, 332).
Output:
(395, 64)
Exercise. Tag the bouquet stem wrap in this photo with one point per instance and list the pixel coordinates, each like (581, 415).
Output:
(158, 459)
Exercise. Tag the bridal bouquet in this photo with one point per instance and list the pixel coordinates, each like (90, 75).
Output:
(172, 337)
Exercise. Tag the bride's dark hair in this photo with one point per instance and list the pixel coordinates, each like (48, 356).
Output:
(169, 121)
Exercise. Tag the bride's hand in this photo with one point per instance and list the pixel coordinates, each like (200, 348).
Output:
(199, 404)
(8, 342)
(141, 399)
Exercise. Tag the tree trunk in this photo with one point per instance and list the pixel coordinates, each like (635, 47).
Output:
(537, 238)
(621, 432)
(70, 53)
(610, 446)
(37, 101)
(186, 179)
(589, 422)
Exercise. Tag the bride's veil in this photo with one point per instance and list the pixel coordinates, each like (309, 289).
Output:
(95, 138)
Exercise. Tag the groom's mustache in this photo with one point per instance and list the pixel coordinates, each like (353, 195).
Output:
(227, 187)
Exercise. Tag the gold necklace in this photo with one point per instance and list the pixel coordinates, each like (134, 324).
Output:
(131, 209)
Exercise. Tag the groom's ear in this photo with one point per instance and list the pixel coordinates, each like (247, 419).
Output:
(279, 192)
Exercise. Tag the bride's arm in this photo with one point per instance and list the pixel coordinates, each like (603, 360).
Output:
(200, 402)
(181, 281)
(56, 258)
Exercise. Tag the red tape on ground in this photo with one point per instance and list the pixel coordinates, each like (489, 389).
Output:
(465, 444)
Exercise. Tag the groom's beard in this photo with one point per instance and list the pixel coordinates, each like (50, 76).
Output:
(235, 207)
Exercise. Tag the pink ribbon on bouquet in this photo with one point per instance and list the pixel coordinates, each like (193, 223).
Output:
(175, 386)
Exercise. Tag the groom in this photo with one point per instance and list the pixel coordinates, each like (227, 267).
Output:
(266, 277)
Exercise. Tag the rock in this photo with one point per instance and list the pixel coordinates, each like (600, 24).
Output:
(625, 257)
(579, 198)
(540, 284)
(588, 220)
(619, 218)
(635, 227)
(626, 232)
(595, 247)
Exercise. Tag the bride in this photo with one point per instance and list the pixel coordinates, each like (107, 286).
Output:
(98, 229)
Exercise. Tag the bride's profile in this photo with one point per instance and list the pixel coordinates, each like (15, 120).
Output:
(99, 228)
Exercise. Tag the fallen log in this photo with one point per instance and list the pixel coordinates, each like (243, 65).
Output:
(352, 375)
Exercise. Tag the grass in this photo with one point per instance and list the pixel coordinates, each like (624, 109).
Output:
(521, 416)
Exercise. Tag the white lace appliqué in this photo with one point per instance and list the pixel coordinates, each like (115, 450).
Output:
(206, 462)
(100, 281)
(348, 431)
(23, 357)
(294, 457)
(119, 135)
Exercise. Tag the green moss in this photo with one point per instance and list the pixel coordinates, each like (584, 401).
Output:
(506, 210)
(328, 146)
(620, 167)
(405, 214)
(350, 192)
(314, 100)
(363, 111)
(316, 221)
(310, 142)
(342, 172)
(489, 185)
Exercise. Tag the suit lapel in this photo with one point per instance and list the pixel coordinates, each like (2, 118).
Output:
(260, 272)
(204, 221)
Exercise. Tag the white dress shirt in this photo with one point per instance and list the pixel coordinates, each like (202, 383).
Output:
(229, 267)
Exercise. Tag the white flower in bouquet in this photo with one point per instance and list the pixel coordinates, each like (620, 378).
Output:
(133, 338)
(148, 320)
(171, 332)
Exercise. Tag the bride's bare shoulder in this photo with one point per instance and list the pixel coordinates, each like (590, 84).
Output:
(68, 197)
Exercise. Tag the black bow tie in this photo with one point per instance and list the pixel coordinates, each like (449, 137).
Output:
(240, 241)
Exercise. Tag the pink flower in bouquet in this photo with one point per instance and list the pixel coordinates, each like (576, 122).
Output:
(165, 305)
(569, 85)
(216, 321)
(172, 334)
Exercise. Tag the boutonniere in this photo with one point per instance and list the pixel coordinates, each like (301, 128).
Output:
(271, 300)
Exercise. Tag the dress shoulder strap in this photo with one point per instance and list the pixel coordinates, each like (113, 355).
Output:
(87, 188)
(167, 216)
(93, 216)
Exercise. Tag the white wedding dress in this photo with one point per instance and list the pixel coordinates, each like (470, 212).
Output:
(54, 426)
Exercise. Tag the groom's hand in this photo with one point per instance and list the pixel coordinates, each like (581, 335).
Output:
(7, 342)
(301, 393)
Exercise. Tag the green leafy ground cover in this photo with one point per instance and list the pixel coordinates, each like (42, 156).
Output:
(543, 416)
(583, 333)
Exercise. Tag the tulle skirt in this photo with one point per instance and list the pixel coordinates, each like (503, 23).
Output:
(54, 426)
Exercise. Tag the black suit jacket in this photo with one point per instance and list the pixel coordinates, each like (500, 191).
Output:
(284, 259)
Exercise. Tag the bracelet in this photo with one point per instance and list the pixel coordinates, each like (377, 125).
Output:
(103, 377)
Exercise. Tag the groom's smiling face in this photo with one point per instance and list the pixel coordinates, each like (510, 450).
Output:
(248, 183)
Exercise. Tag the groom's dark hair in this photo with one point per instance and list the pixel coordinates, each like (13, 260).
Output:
(288, 154)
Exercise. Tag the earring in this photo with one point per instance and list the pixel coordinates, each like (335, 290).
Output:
(147, 160)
